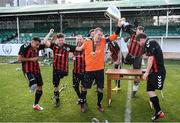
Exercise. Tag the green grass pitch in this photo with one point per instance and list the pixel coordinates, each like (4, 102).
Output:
(16, 101)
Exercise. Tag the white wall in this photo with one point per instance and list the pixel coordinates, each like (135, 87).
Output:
(10, 49)
(169, 44)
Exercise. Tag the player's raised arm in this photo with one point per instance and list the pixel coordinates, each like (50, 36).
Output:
(115, 35)
(127, 27)
(46, 41)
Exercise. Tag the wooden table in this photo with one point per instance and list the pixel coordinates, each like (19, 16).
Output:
(121, 74)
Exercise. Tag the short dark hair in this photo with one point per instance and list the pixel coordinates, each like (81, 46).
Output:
(60, 35)
(91, 30)
(89, 34)
(140, 28)
(141, 35)
(36, 39)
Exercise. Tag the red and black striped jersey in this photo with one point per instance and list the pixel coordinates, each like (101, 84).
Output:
(27, 51)
(134, 48)
(114, 49)
(152, 48)
(61, 55)
(79, 62)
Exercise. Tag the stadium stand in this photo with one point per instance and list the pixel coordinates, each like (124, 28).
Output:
(11, 35)
(7, 35)
(73, 19)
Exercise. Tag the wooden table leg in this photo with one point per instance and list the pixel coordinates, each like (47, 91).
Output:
(108, 91)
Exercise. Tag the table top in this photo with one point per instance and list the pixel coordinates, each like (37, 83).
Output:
(129, 72)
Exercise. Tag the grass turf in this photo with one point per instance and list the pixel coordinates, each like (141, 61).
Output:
(16, 101)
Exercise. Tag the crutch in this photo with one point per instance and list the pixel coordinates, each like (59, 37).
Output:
(62, 88)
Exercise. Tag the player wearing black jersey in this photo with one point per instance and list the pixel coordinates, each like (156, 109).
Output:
(155, 72)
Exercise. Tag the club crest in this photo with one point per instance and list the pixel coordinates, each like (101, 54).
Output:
(7, 49)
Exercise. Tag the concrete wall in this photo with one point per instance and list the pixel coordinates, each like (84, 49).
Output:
(170, 46)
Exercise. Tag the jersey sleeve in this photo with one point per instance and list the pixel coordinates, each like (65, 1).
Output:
(22, 50)
(150, 48)
(114, 36)
(111, 38)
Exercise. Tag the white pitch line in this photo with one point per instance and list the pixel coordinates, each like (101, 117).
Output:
(128, 103)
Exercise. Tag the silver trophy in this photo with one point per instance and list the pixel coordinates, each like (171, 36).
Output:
(113, 12)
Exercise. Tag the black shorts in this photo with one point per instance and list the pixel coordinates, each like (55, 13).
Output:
(57, 75)
(36, 77)
(155, 81)
(78, 78)
(137, 63)
(129, 59)
(91, 76)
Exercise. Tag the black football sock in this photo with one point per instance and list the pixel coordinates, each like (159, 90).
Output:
(83, 96)
(100, 97)
(76, 88)
(155, 102)
(38, 95)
